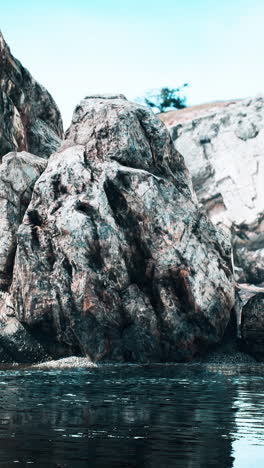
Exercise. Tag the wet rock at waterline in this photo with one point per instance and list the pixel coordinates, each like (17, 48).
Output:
(223, 147)
(114, 259)
(253, 326)
(17, 344)
(29, 118)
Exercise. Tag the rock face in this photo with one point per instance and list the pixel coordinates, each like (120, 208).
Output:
(253, 326)
(29, 118)
(223, 147)
(114, 259)
(18, 174)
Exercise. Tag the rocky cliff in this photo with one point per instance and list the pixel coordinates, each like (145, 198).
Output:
(113, 257)
(223, 147)
(29, 118)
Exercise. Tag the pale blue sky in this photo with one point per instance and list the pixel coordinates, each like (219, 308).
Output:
(75, 48)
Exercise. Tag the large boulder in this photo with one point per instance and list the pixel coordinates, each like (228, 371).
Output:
(223, 147)
(29, 117)
(114, 258)
(18, 174)
(253, 326)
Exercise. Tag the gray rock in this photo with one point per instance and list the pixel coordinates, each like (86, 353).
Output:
(17, 343)
(253, 326)
(12, 131)
(223, 147)
(29, 117)
(248, 245)
(18, 174)
(114, 258)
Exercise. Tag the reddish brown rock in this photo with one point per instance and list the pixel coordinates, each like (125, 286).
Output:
(114, 258)
(29, 118)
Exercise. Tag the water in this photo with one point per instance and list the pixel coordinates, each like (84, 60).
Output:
(133, 416)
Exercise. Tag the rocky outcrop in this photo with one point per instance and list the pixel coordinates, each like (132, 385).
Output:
(223, 147)
(29, 118)
(253, 326)
(17, 345)
(18, 174)
(114, 259)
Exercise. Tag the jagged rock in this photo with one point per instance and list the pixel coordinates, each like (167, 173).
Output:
(114, 258)
(18, 174)
(253, 326)
(223, 147)
(29, 117)
(12, 132)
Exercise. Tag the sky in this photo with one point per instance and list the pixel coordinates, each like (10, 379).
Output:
(80, 47)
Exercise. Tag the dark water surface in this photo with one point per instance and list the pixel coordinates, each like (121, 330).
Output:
(133, 416)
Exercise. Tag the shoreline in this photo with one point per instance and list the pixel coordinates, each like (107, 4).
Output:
(216, 359)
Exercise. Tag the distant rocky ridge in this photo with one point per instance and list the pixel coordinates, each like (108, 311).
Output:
(223, 146)
(29, 118)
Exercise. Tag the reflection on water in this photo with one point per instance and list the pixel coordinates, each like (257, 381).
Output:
(133, 416)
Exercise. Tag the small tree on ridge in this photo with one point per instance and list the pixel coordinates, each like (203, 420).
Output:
(167, 99)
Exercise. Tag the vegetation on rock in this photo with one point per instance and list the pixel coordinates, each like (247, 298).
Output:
(167, 98)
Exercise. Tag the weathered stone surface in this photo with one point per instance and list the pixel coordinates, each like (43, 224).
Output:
(29, 117)
(16, 343)
(114, 258)
(248, 244)
(12, 132)
(253, 326)
(18, 174)
(19, 344)
(223, 147)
